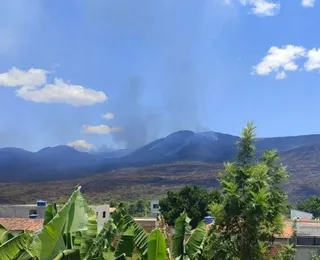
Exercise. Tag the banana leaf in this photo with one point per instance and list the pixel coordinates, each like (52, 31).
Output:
(194, 244)
(72, 254)
(83, 240)
(51, 211)
(126, 243)
(48, 243)
(157, 249)
(104, 238)
(141, 237)
(111, 256)
(12, 248)
(181, 229)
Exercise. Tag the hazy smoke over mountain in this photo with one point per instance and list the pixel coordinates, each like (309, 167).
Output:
(170, 49)
(139, 124)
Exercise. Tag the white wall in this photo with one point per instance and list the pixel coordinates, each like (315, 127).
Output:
(304, 252)
(21, 211)
(300, 214)
(154, 208)
(102, 214)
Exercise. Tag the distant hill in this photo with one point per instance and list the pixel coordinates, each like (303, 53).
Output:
(50, 163)
(183, 157)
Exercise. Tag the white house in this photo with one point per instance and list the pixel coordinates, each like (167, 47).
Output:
(154, 208)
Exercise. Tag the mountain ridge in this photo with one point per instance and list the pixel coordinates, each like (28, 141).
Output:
(64, 162)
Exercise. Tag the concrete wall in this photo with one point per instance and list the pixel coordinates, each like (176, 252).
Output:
(148, 224)
(154, 208)
(304, 252)
(102, 214)
(300, 214)
(21, 211)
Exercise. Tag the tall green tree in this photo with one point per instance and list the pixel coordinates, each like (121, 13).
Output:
(193, 200)
(252, 204)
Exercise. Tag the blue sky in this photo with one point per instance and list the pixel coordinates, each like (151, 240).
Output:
(155, 67)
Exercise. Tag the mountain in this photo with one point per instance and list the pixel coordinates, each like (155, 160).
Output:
(64, 162)
(181, 158)
(184, 146)
(48, 163)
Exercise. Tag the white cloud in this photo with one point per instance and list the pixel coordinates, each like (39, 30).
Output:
(18, 78)
(82, 145)
(313, 62)
(99, 129)
(262, 7)
(61, 92)
(108, 116)
(33, 86)
(281, 75)
(280, 60)
(308, 3)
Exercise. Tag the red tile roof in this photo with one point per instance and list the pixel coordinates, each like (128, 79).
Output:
(27, 224)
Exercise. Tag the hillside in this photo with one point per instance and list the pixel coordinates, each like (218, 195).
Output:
(181, 158)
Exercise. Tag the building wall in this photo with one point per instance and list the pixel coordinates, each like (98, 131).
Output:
(304, 252)
(154, 208)
(300, 214)
(102, 214)
(147, 224)
(21, 211)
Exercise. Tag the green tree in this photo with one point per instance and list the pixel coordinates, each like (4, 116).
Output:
(193, 200)
(252, 204)
(312, 205)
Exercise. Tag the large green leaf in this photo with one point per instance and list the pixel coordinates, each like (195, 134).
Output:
(181, 229)
(110, 256)
(83, 240)
(194, 244)
(78, 214)
(48, 242)
(141, 237)
(157, 246)
(106, 235)
(12, 248)
(126, 243)
(51, 211)
(5, 235)
(70, 254)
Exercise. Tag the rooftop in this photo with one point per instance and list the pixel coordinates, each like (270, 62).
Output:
(18, 224)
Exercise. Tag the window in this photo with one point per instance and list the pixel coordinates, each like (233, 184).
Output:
(155, 206)
(33, 212)
(97, 214)
(103, 214)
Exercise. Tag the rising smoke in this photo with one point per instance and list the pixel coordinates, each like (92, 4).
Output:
(170, 32)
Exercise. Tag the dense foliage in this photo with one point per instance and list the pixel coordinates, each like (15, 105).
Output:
(312, 205)
(252, 204)
(193, 200)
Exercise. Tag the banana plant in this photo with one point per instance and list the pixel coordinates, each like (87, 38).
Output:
(68, 233)
(187, 243)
